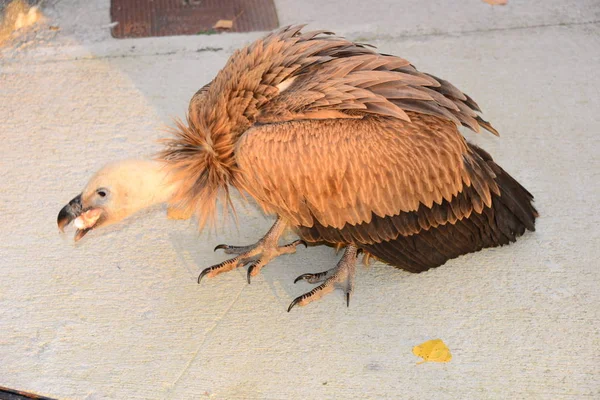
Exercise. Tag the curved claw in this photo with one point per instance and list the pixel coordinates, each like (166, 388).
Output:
(303, 242)
(203, 273)
(221, 246)
(303, 277)
(348, 299)
(293, 303)
(249, 274)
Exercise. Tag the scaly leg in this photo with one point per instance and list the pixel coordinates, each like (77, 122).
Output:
(341, 276)
(259, 254)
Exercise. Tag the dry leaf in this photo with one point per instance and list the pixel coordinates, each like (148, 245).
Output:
(496, 2)
(224, 24)
(432, 350)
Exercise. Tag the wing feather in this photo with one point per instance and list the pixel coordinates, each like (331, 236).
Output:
(345, 172)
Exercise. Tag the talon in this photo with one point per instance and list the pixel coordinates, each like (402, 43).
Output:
(302, 242)
(313, 278)
(249, 274)
(203, 273)
(221, 246)
(228, 265)
(293, 303)
(303, 277)
(255, 256)
(339, 277)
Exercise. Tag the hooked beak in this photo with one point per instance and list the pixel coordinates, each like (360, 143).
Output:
(70, 212)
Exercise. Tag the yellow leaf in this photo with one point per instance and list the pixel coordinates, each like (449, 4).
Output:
(496, 2)
(224, 24)
(433, 350)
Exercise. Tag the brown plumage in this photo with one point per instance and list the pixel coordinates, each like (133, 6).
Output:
(348, 147)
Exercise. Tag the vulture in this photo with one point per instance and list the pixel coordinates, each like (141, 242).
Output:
(343, 145)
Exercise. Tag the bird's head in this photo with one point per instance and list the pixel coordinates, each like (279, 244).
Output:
(116, 191)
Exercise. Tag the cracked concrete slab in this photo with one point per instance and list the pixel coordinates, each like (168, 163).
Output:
(119, 315)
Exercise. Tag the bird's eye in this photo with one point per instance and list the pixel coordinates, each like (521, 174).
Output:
(101, 193)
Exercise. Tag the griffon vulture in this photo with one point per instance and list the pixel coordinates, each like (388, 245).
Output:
(346, 146)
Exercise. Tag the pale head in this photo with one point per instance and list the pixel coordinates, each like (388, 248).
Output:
(116, 191)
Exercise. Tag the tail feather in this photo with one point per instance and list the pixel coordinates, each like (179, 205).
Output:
(510, 215)
(514, 196)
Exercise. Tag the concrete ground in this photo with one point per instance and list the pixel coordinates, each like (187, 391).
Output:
(120, 316)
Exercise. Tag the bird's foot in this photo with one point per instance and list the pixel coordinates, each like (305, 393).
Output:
(341, 276)
(257, 255)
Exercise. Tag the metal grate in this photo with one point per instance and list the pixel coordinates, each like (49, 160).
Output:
(143, 18)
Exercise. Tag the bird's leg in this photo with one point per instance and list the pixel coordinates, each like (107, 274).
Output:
(341, 276)
(259, 254)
